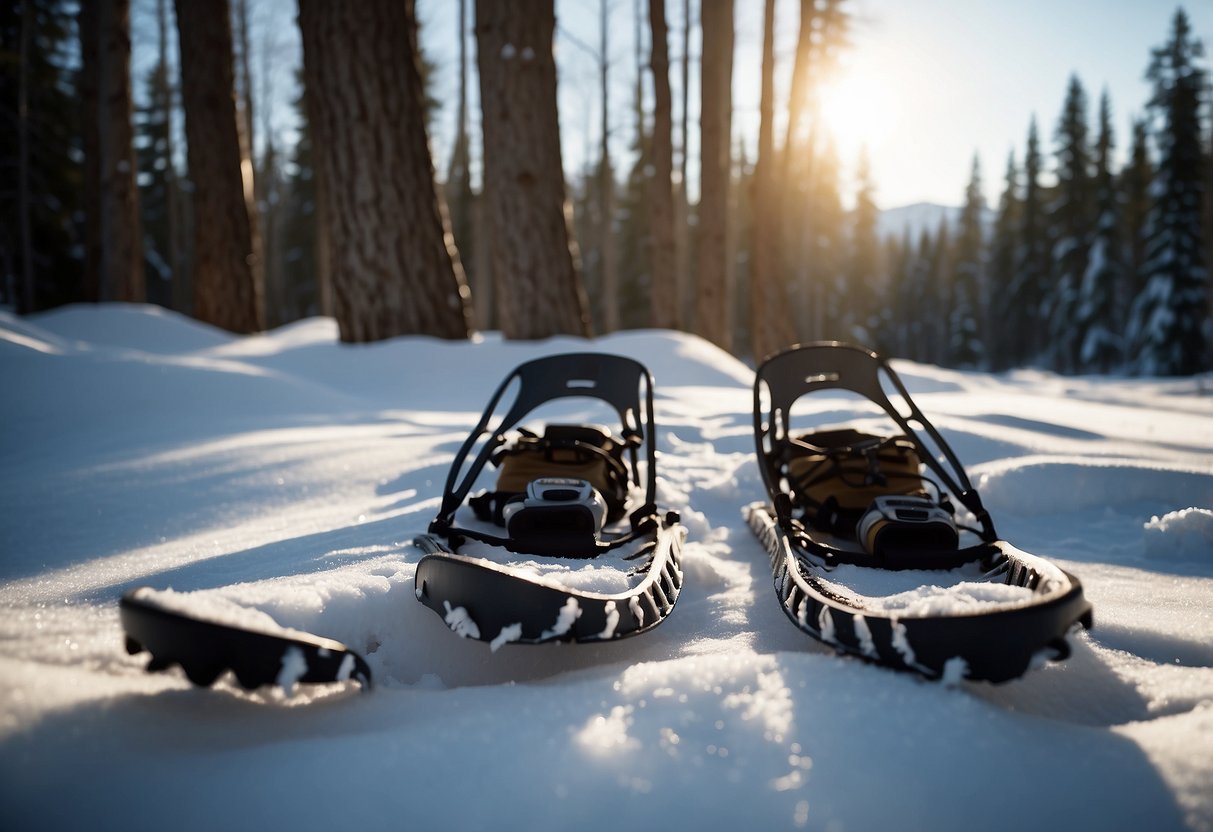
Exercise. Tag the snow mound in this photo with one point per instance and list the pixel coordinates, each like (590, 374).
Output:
(131, 326)
(1180, 535)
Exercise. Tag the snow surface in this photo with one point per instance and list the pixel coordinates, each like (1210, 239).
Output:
(287, 475)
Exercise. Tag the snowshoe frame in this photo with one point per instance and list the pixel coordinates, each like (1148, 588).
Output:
(995, 645)
(487, 601)
(205, 649)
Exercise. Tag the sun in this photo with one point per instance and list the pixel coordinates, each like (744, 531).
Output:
(857, 108)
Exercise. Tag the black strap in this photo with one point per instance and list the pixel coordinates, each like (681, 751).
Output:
(490, 506)
(894, 559)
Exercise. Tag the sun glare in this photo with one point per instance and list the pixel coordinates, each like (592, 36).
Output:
(857, 109)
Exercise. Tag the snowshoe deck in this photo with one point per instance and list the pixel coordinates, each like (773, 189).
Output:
(530, 585)
(978, 608)
(205, 649)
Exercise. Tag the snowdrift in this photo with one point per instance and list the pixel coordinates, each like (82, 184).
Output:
(288, 474)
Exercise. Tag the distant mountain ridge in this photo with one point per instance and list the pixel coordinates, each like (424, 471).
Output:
(895, 222)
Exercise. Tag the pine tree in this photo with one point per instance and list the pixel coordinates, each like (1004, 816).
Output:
(965, 342)
(1002, 273)
(1134, 184)
(1070, 220)
(826, 250)
(40, 194)
(1095, 318)
(940, 297)
(1026, 311)
(915, 298)
(863, 289)
(303, 294)
(1170, 317)
(157, 182)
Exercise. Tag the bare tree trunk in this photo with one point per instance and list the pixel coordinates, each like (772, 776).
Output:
(393, 271)
(245, 86)
(606, 195)
(28, 297)
(770, 322)
(226, 293)
(682, 208)
(248, 167)
(90, 48)
(661, 194)
(713, 307)
(181, 295)
(460, 200)
(539, 290)
(121, 228)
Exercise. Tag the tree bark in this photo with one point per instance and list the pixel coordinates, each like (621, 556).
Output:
(225, 291)
(394, 271)
(713, 307)
(248, 167)
(90, 48)
(181, 289)
(770, 321)
(661, 194)
(121, 228)
(682, 206)
(606, 192)
(538, 287)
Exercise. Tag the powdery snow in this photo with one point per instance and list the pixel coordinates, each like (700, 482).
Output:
(281, 478)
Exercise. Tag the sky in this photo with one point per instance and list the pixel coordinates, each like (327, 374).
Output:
(925, 86)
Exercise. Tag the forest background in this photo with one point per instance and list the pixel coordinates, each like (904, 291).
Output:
(174, 181)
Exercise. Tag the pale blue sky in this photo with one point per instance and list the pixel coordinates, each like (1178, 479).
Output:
(942, 79)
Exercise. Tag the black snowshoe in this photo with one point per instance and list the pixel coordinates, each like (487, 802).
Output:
(569, 545)
(868, 552)
(205, 648)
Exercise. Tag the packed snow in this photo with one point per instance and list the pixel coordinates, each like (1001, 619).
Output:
(281, 478)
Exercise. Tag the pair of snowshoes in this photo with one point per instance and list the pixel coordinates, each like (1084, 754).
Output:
(848, 509)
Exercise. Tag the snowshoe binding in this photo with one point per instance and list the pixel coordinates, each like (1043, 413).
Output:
(879, 543)
(569, 544)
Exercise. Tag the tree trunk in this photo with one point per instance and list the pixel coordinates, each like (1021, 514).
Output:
(90, 48)
(682, 206)
(770, 320)
(661, 193)
(539, 290)
(181, 294)
(461, 200)
(225, 291)
(712, 318)
(606, 193)
(393, 272)
(121, 229)
(248, 168)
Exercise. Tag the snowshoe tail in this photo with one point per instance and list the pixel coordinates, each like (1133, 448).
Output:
(205, 649)
(843, 500)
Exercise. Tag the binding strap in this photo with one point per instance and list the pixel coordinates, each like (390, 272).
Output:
(836, 474)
